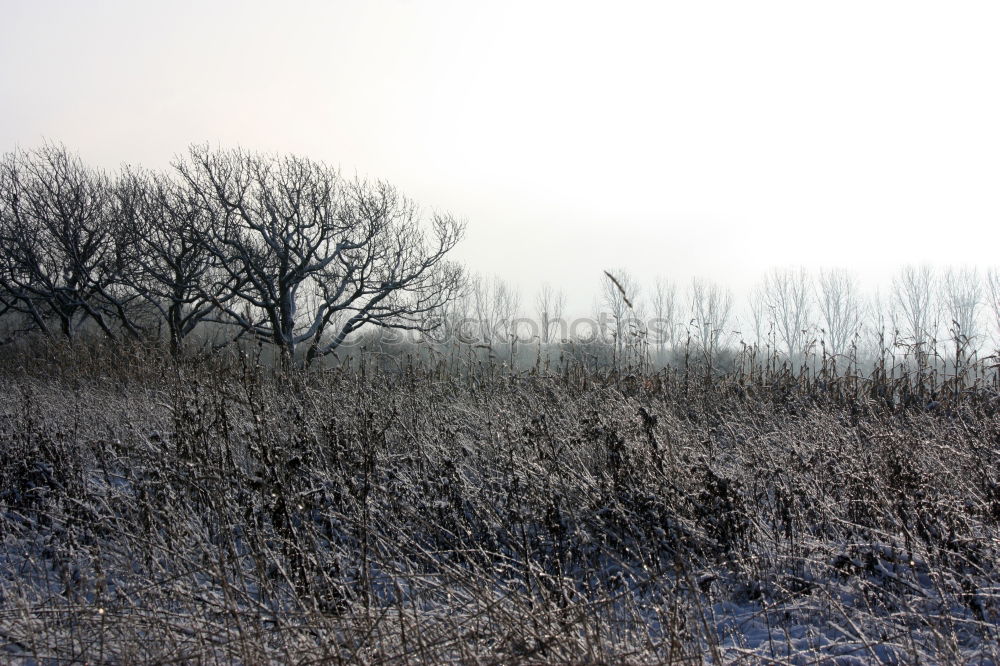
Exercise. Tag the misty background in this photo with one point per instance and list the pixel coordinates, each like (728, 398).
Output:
(713, 140)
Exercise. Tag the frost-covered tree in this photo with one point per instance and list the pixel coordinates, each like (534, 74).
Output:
(993, 301)
(550, 305)
(841, 308)
(665, 313)
(786, 294)
(178, 275)
(311, 257)
(914, 315)
(620, 300)
(65, 260)
(961, 301)
(711, 307)
(496, 304)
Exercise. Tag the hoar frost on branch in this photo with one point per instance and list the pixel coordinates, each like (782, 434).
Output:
(279, 249)
(64, 252)
(312, 257)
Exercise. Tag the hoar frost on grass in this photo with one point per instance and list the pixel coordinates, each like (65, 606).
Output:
(265, 518)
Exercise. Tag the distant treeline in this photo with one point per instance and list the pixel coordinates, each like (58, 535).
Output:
(943, 321)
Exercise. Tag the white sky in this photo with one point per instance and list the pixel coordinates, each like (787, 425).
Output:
(676, 138)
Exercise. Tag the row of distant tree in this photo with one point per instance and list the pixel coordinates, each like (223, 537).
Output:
(951, 315)
(278, 249)
(925, 312)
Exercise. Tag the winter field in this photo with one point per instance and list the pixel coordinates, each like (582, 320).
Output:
(252, 411)
(439, 332)
(218, 511)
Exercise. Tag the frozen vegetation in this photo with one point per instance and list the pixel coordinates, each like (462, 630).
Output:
(156, 510)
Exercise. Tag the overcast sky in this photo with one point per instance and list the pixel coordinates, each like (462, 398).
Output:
(678, 138)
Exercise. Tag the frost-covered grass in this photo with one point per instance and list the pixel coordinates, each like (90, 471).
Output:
(156, 513)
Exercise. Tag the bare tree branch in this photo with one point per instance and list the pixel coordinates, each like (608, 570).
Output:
(64, 251)
(288, 232)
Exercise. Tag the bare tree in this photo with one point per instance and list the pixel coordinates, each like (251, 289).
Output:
(993, 301)
(460, 323)
(178, 274)
(64, 255)
(961, 299)
(549, 305)
(841, 309)
(786, 293)
(913, 314)
(711, 307)
(760, 315)
(285, 226)
(620, 299)
(496, 306)
(665, 314)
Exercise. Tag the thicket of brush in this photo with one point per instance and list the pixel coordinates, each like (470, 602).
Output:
(158, 510)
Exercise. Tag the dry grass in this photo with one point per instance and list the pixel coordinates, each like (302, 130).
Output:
(153, 512)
